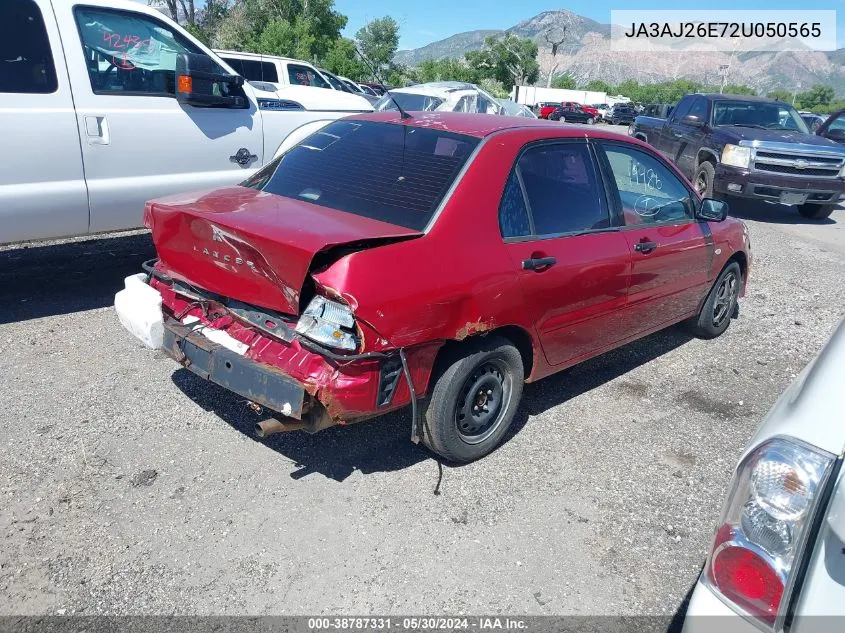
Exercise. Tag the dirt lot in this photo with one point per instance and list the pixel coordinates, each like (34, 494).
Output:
(127, 485)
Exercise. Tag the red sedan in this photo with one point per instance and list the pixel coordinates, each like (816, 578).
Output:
(439, 260)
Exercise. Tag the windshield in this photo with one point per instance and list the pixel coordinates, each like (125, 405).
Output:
(384, 171)
(409, 101)
(336, 83)
(758, 114)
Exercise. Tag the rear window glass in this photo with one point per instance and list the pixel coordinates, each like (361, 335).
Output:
(409, 102)
(26, 62)
(388, 172)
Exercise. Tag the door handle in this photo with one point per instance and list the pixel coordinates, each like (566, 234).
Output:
(97, 130)
(645, 247)
(539, 264)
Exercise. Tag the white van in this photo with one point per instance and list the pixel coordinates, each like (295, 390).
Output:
(96, 121)
(292, 79)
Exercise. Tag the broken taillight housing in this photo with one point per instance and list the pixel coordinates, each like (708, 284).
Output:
(329, 323)
(764, 527)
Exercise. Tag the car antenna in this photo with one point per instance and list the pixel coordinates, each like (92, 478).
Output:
(402, 112)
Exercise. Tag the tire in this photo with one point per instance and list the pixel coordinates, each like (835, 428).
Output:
(816, 211)
(455, 427)
(720, 305)
(703, 180)
(590, 121)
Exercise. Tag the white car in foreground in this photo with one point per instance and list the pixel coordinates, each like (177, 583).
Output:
(778, 558)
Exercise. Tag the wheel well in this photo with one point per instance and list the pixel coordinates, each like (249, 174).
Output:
(740, 258)
(642, 137)
(704, 157)
(517, 336)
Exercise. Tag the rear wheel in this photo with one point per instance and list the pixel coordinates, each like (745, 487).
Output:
(816, 211)
(474, 399)
(720, 305)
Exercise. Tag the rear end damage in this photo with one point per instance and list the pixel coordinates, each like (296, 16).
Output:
(259, 354)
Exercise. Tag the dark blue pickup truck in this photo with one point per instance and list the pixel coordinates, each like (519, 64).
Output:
(751, 147)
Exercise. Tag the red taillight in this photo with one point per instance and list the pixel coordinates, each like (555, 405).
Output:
(747, 579)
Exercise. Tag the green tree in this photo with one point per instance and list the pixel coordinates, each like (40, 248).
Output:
(597, 85)
(818, 95)
(342, 59)
(564, 81)
(287, 39)
(739, 89)
(780, 94)
(509, 59)
(379, 40)
(303, 28)
(444, 70)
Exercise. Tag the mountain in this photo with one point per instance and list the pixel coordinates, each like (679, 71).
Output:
(585, 53)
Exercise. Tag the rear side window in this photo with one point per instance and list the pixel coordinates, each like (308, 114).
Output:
(513, 214)
(305, 76)
(562, 189)
(388, 172)
(268, 72)
(26, 62)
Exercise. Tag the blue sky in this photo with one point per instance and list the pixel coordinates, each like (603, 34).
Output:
(422, 22)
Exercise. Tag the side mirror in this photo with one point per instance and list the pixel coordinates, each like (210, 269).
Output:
(834, 135)
(200, 83)
(712, 210)
(693, 120)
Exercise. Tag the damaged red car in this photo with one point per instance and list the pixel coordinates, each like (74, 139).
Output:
(439, 260)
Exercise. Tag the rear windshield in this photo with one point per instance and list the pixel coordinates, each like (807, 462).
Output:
(385, 171)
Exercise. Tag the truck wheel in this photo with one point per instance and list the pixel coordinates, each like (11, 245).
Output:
(715, 315)
(816, 211)
(474, 399)
(704, 177)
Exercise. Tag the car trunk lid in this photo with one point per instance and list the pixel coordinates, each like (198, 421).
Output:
(253, 246)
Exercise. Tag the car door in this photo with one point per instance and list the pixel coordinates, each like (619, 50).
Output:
(834, 127)
(670, 251)
(669, 140)
(571, 261)
(42, 185)
(138, 142)
(690, 135)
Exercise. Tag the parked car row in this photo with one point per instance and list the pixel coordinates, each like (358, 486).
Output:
(279, 71)
(753, 147)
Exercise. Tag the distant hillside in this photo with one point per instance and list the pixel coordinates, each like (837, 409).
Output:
(585, 54)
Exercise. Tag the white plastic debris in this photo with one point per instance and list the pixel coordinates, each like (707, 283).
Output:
(138, 307)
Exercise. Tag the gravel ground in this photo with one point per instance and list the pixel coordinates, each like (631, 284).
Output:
(129, 486)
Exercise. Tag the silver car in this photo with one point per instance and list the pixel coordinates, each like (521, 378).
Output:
(778, 556)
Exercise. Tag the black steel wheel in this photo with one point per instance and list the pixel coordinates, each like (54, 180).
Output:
(474, 397)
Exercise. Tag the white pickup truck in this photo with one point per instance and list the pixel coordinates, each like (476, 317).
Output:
(105, 104)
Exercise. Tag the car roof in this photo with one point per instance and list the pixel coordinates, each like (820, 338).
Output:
(260, 56)
(715, 96)
(437, 88)
(481, 125)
